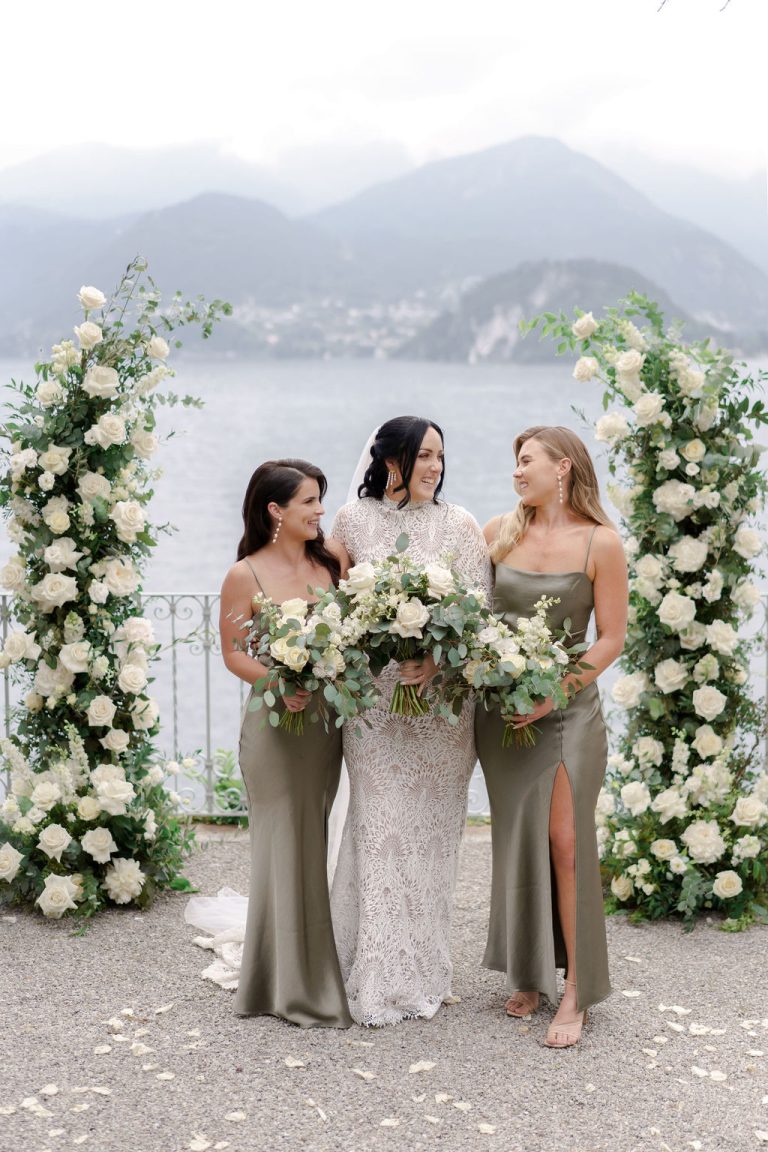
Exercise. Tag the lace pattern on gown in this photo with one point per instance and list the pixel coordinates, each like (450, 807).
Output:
(393, 888)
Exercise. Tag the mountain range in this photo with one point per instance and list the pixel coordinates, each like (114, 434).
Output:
(452, 232)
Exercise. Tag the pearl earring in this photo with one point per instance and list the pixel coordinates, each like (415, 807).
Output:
(560, 488)
(391, 478)
(277, 529)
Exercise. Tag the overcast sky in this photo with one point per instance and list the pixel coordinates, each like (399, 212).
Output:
(685, 83)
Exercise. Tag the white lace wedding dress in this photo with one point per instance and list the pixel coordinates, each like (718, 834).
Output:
(393, 887)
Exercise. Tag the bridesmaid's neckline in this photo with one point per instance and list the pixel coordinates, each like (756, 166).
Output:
(528, 572)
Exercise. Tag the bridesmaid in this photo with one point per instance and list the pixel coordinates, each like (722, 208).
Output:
(546, 898)
(290, 968)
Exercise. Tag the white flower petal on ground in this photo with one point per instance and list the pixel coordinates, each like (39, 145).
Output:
(675, 1026)
(433, 1120)
(166, 1076)
(462, 1105)
(419, 1099)
(102, 1049)
(422, 1066)
(7, 1110)
(717, 1075)
(235, 1117)
(317, 1108)
(442, 1097)
(139, 1049)
(164, 1008)
(149, 1067)
(294, 1062)
(390, 1122)
(630, 993)
(364, 1074)
(199, 1142)
(486, 1129)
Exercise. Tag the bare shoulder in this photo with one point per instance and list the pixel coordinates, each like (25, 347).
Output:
(239, 581)
(607, 547)
(492, 529)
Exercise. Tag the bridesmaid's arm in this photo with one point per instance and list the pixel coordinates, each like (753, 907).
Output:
(236, 610)
(339, 551)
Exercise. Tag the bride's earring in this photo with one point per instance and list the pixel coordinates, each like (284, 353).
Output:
(277, 529)
(560, 488)
(391, 479)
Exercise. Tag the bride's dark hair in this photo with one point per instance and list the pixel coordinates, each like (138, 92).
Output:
(399, 439)
(278, 481)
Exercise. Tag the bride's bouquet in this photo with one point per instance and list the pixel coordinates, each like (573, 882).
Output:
(308, 646)
(514, 669)
(396, 610)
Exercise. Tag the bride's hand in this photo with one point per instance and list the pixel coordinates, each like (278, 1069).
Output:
(543, 708)
(297, 702)
(418, 672)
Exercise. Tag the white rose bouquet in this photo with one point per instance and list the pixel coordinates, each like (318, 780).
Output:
(306, 646)
(513, 669)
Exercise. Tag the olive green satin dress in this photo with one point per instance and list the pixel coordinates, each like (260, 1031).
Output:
(524, 936)
(290, 967)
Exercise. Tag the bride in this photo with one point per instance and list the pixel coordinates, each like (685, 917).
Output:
(393, 887)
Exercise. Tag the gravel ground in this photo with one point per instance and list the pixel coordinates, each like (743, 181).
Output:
(676, 1059)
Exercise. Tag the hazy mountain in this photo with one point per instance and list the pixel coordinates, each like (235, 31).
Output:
(534, 198)
(735, 209)
(99, 181)
(484, 325)
(326, 173)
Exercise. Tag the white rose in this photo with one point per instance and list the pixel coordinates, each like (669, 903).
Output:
(144, 442)
(706, 669)
(139, 630)
(669, 804)
(703, 841)
(440, 581)
(677, 612)
(98, 842)
(410, 619)
(330, 665)
(49, 392)
(747, 542)
(295, 609)
(727, 884)
(53, 840)
(101, 712)
(674, 498)
(89, 335)
(746, 595)
(55, 459)
(707, 742)
(57, 520)
(713, 589)
(53, 591)
(670, 676)
(46, 795)
(88, 808)
(91, 298)
(749, 811)
(722, 637)
(13, 574)
(110, 429)
(33, 701)
(628, 689)
(121, 578)
(622, 887)
(76, 657)
(688, 554)
(146, 383)
(57, 897)
(611, 427)
(144, 714)
(128, 518)
(101, 382)
(157, 348)
(293, 656)
(708, 702)
(693, 636)
(648, 751)
(706, 416)
(124, 880)
(664, 849)
(10, 862)
(585, 368)
(746, 848)
(92, 486)
(584, 327)
(694, 451)
(648, 408)
(635, 797)
(62, 554)
(116, 740)
(21, 646)
(690, 381)
(650, 568)
(132, 679)
(669, 459)
(115, 796)
(98, 592)
(629, 363)
(360, 578)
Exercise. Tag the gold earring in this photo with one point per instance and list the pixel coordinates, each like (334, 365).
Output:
(560, 488)
(277, 529)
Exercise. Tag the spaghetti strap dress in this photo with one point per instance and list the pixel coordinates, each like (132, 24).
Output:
(524, 936)
(290, 967)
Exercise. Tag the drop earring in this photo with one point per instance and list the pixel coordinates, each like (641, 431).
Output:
(277, 529)
(560, 488)
(391, 478)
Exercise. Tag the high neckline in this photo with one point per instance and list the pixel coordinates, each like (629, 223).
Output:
(412, 506)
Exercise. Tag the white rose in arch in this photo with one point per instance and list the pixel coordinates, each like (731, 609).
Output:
(76, 657)
(49, 392)
(674, 498)
(746, 595)
(585, 368)
(694, 451)
(13, 574)
(101, 382)
(749, 811)
(144, 442)
(677, 612)
(62, 554)
(91, 298)
(635, 797)
(53, 591)
(128, 517)
(115, 796)
(21, 646)
(440, 581)
(89, 335)
(747, 542)
(116, 740)
(628, 690)
(708, 702)
(139, 630)
(670, 676)
(622, 887)
(57, 897)
(157, 348)
(53, 840)
(145, 714)
(664, 849)
(648, 409)
(746, 848)
(670, 805)
(693, 636)
(98, 592)
(124, 880)
(703, 841)
(688, 554)
(121, 578)
(584, 327)
(55, 459)
(630, 363)
(648, 751)
(727, 885)
(92, 486)
(669, 459)
(650, 568)
(360, 578)
(101, 712)
(10, 862)
(611, 427)
(109, 429)
(46, 795)
(132, 679)
(707, 742)
(410, 619)
(88, 808)
(99, 843)
(722, 637)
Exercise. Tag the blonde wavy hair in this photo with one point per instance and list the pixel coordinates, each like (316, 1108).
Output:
(581, 488)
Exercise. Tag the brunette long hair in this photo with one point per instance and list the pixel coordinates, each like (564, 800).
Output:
(583, 493)
(399, 439)
(278, 481)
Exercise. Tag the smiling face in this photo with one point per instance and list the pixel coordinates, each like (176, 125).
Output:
(301, 515)
(537, 473)
(428, 467)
